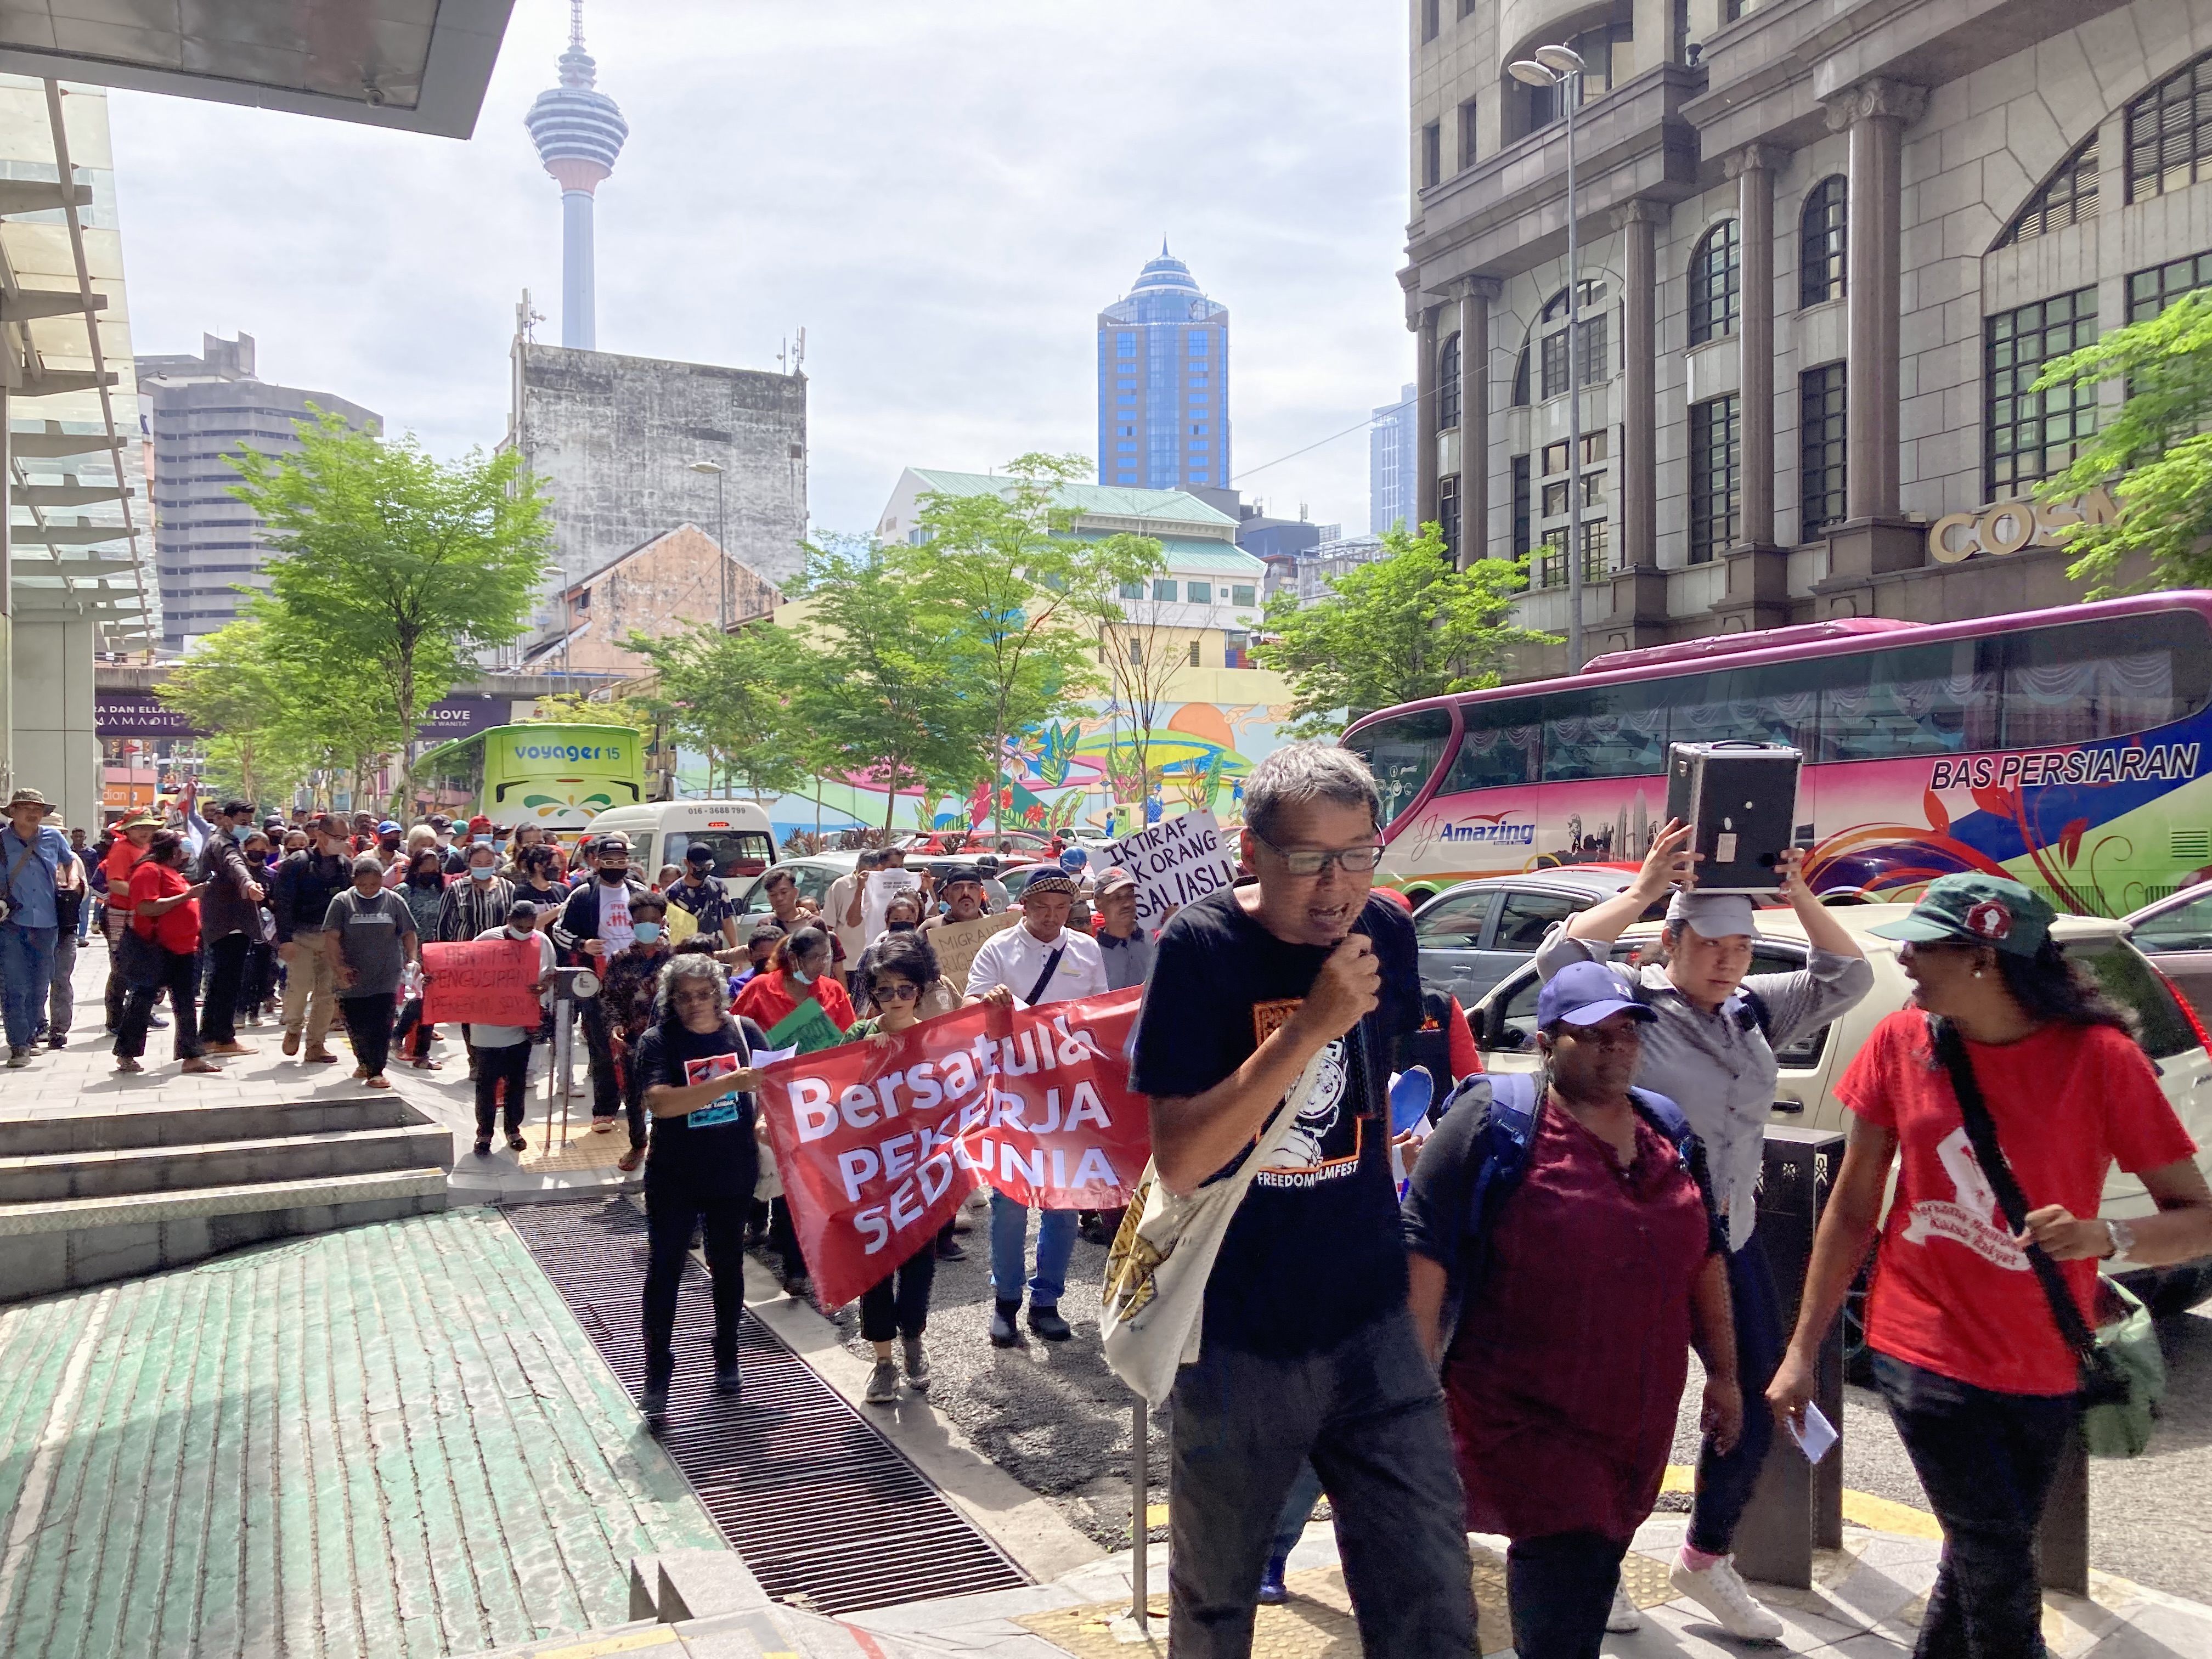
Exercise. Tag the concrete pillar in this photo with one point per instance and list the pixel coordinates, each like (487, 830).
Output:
(1424, 420)
(56, 749)
(1753, 167)
(8, 779)
(1476, 295)
(1876, 114)
(1638, 223)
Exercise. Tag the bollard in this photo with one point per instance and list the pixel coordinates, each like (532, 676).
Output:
(571, 985)
(1140, 1531)
(1797, 1507)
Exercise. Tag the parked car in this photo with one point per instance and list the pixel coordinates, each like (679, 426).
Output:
(2176, 933)
(1505, 1027)
(1473, 934)
(1006, 843)
(813, 875)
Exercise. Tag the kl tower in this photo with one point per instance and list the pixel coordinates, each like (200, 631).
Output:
(579, 132)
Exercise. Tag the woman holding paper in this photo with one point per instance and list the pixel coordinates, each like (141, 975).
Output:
(697, 1062)
(802, 974)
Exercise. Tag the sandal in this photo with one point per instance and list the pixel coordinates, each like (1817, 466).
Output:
(630, 1159)
(428, 1065)
(125, 1063)
(379, 1081)
(200, 1068)
(601, 1125)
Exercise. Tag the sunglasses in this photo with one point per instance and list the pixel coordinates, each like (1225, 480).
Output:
(897, 991)
(696, 998)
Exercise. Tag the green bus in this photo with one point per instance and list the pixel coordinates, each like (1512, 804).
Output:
(559, 777)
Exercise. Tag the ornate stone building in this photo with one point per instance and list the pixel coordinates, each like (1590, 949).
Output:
(1826, 246)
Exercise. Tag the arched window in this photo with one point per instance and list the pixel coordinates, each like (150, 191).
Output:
(1552, 340)
(2170, 132)
(1716, 283)
(1521, 380)
(1448, 385)
(1824, 233)
(2068, 197)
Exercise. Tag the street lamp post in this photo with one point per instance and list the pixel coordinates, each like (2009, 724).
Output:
(729, 597)
(1561, 69)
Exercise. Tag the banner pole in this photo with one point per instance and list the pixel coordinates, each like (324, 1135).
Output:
(1140, 1531)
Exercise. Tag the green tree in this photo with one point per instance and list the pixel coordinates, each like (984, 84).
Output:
(1137, 654)
(1008, 593)
(392, 567)
(730, 695)
(875, 686)
(1406, 626)
(2158, 446)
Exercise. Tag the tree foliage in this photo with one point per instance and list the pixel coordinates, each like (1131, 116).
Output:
(393, 568)
(2158, 446)
(729, 697)
(1406, 626)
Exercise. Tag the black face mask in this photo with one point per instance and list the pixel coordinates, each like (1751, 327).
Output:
(899, 927)
(615, 878)
(427, 879)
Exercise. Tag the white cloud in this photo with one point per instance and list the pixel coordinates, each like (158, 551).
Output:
(942, 196)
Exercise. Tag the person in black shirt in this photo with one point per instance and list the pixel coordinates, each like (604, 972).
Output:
(701, 1164)
(1307, 1348)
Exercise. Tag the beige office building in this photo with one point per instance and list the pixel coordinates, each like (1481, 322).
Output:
(1826, 245)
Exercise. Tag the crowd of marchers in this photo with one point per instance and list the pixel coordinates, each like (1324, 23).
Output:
(1498, 1344)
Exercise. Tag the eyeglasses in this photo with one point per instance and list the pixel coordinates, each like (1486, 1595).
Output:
(899, 992)
(1352, 860)
(696, 998)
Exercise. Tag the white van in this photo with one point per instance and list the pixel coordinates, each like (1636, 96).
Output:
(662, 832)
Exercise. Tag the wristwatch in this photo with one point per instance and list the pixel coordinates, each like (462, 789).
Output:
(2124, 1240)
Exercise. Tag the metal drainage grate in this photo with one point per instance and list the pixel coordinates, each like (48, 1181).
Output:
(819, 1505)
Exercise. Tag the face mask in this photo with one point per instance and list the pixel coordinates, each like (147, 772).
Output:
(481, 872)
(799, 977)
(240, 831)
(614, 877)
(647, 931)
(426, 879)
(900, 927)
(520, 932)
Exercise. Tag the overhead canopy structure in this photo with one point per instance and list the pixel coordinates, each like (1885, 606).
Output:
(415, 65)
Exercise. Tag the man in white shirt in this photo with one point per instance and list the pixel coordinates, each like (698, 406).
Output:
(844, 900)
(1036, 962)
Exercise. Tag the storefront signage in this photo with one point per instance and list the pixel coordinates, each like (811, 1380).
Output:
(2008, 526)
(137, 715)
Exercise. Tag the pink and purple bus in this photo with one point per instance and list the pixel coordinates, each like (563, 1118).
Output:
(2065, 749)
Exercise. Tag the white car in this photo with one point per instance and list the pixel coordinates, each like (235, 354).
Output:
(1505, 1026)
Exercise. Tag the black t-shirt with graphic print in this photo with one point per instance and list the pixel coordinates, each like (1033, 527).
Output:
(1315, 1251)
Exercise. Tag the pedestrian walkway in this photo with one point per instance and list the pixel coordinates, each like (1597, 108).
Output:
(390, 1442)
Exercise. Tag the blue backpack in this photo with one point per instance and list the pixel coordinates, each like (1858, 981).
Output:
(1503, 1143)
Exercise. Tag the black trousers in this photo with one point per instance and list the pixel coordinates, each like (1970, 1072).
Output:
(783, 1238)
(673, 1205)
(505, 1068)
(226, 972)
(368, 1023)
(1561, 1587)
(898, 1303)
(599, 1043)
(179, 972)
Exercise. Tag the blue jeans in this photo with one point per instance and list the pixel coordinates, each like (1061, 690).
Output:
(1369, 1415)
(27, 974)
(1986, 1462)
(1009, 1230)
(1724, 1484)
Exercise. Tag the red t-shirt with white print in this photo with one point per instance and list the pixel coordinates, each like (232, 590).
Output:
(1952, 1292)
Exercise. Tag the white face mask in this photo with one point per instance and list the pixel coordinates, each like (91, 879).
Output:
(519, 932)
(799, 977)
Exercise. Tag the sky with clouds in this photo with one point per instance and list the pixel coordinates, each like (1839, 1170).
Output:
(942, 196)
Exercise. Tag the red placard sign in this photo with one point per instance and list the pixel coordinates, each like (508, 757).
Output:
(877, 1141)
(491, 981)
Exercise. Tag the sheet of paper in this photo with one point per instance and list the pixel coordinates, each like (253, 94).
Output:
(1816, 1437)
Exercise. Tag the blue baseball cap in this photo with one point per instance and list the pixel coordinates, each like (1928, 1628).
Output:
(1074, 860)
(1584, 992)
(387, 826)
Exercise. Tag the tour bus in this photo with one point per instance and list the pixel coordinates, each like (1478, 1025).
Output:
(2062, 748)
(662, 832)
(560, 776)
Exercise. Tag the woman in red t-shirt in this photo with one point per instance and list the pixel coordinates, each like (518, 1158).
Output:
(801, 971)
(164, 911)
(1967, 1350)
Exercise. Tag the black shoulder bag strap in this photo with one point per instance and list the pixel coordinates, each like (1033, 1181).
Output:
(2100, 1377)
(1051, 967)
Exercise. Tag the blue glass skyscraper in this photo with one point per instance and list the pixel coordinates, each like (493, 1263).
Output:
(1163, 383)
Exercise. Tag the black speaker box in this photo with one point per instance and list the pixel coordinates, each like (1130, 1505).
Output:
(1742, 800)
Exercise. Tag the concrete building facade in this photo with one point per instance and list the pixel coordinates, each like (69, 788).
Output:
(673, 581)
(197, 411)
(616, 442)
(1390, 443)
(1163, 383)
(1827, 246)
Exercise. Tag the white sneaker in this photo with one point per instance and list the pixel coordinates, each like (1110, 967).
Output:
(1625, 1615)
(1719, 1590)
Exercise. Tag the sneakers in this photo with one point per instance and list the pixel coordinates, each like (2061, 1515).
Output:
(917, 1364)
(1273, 1592)
(18, 1058)
(1626, 1616)
(1720, 1591)
(883, 1384)
(1048, 1323)
(1003, 1334)
(727, 1379)
(318, 1057)
(948, 1249)
(655, 1406)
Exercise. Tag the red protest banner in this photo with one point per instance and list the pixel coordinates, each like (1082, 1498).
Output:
(482, 982)
(877, 1141)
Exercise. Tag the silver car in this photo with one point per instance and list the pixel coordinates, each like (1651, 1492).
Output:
(2176, 933)
(1472, 935)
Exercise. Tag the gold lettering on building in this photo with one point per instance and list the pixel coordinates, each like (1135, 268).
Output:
(2008, 526)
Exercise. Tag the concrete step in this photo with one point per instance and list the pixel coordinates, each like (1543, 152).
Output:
(49, 1177)
(197, 1126)
(63, 1244)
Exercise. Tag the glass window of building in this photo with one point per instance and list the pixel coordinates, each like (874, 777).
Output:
(2151, 292)
(1821, 396)
(1448, 385)
(2170, 132)
(1551, 328)
(1467, 135)
(1242, 593)
(1200, 593)
(1431, 19)
(2068, 197)
(1520, 514)
(1716, 283)
(1715, 476)
(1132, 590)
(1823, 233)
(1521, 380)
(2030, 435)
(1163, 590)
(1432, 152)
